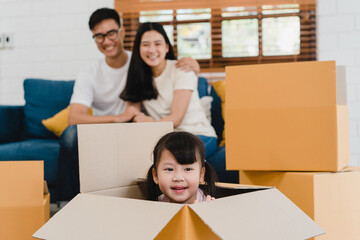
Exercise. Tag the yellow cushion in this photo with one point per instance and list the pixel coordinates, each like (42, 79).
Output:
(59, 122)
(219, 87)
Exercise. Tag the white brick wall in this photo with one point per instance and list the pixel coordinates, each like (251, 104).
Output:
(346, 6)
(335, 23)
(339, 39)
(52, 41)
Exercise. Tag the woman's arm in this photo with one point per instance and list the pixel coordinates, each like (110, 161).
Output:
(178, 109)
(79, 113)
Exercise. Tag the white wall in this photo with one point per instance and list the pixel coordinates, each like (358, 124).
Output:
(51, 40)
(338, 31)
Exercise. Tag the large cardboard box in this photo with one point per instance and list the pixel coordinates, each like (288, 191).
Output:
(110, 205)
(286, 117)
(330, 198)
(24, 199)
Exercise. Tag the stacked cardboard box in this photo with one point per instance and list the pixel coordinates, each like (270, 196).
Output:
(287, 126)
(24, 199)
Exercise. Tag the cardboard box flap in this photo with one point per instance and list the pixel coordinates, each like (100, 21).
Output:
(24, 183)
(343, 170)
(350, 169)
(223, 185)
(94, 217)
(266, 214)
(262, 214)
(46, 189)
(194, 226)
(119, 151)
(133, 191)
(229, 189)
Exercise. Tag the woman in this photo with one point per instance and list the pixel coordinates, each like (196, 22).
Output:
(167, 93)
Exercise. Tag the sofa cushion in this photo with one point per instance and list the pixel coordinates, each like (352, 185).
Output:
(203, 87)
(43, 98)
(57, 123)
(36, 149)
(217, 120)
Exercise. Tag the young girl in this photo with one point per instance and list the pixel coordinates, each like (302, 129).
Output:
(166, 92)
(179, 167)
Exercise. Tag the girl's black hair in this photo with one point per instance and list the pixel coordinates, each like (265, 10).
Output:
(139, 84)
(102, 14)
(187, 149)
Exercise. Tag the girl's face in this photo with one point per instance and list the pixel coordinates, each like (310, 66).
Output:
(153, 50)
(178, 182)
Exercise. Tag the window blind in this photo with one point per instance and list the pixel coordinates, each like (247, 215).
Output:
(265, 16)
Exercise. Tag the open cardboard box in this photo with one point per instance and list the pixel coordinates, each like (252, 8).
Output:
(331, 199)
(286, 117)
(113, 156)
(24, 199)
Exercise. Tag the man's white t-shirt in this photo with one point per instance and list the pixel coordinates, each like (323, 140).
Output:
(99, 86)
(172, 79)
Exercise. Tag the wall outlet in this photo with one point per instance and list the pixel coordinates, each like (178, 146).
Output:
(9, 40)
(2, 40)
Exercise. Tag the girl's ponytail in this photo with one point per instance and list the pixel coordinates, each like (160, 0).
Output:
(152, 189)
(210, 178)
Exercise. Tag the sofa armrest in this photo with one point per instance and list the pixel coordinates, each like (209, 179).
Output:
(11, 123)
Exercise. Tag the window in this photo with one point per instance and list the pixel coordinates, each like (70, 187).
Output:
(194, 40)
(240, 38)
(281, 36)
(235, 35)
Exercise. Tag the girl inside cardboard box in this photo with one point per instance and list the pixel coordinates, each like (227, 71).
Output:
(178, 169)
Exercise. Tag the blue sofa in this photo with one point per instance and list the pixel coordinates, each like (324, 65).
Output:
(23, 137)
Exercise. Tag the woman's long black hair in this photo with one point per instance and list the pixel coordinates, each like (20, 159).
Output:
(139, 83)
(187, 149)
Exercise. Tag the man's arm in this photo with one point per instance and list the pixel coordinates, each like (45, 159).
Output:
(188, 64)
(79, 114)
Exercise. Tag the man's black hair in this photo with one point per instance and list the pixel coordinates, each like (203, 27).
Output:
(102, 14)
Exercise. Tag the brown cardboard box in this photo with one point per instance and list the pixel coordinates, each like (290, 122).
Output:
(286, 117)
(24, 199)
(113, 156)
(330, 198)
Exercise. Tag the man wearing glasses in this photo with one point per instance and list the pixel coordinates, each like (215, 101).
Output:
(98, 87)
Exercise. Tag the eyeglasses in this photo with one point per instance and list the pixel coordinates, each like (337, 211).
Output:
(111, 35)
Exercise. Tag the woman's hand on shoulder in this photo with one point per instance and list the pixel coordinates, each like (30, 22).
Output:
(188, 64)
